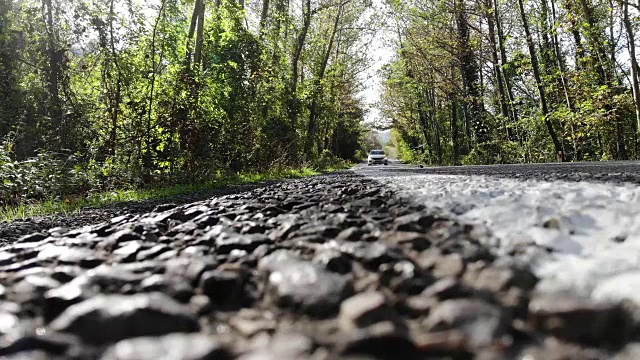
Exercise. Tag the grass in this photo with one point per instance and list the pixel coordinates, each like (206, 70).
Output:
(74, 205)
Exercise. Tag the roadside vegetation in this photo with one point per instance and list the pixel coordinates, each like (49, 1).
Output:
(513, 81)
(102, 100)
(55, 203)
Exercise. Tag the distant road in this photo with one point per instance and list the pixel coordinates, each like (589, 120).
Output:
(604, 171)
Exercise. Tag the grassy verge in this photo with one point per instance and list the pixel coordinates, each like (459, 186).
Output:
(74, 205)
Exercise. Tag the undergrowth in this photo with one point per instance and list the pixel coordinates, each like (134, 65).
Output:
(71, 204)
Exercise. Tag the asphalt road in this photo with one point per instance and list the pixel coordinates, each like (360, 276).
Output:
(604, 171)
(586, 217)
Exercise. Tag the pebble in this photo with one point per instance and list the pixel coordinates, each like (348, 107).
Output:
(170, 347)
(479, 322)
(225, 288)
(366, 309)
(109, 318)
(226, 243)
(572, 318)
(307, 287)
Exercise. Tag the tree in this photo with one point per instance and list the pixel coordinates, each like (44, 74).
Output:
(528, 99)
(544, 107)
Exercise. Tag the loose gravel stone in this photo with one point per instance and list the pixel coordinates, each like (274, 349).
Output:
(414, 222)
(480, 323)
(416, 240)
(366, 309)
(445, 289)
(553, 349)
(307, 287)
(380, 341)
(48, 345)
(173, 346)
(333, 260)
(371, 254)
(109, 318)
(249, 242)
(282, 346)
(630, 352)
(575, 319)
(225, 288)
(59, 299)
(497, 279)
(451, 265)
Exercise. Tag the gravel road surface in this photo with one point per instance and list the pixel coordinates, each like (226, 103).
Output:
(581, 236)
(11, 231)
(388, 262)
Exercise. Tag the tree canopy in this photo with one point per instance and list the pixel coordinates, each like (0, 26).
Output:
(506, 81)
(181, 90)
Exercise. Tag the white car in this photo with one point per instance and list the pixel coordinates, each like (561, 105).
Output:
(377, 157)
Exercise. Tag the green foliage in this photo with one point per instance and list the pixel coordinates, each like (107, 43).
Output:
(156, 93)
(327, 160)
(101, 199)
(44, 176)
(404, 151)
(581, 107)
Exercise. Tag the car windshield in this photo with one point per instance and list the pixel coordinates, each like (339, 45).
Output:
(377, 152)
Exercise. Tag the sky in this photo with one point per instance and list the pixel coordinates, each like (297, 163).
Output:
(381, 54)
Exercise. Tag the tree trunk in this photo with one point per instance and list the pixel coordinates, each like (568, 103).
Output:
(293, 105)
(147, 157)
(603, 66)
(575, 33)
(422, 116)
(281, 8)
(313, 109)
(503, 61)
(118, 93)
(546, 49)
(425, 121)
(560, 59)
(470, 69)
(497, 69)
(263, 17)
(190, 138)
(454, 128)
(549, 66)
(612, 36)
(191, 34)
(563, 79)
(541, 91)
(53, 75)
(580, 51)
(635, 70)
(467, 125)
(436, 126)
(197, 56)
(606, 72)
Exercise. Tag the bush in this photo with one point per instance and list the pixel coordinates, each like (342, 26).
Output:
(47, 175)
(327, 160)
